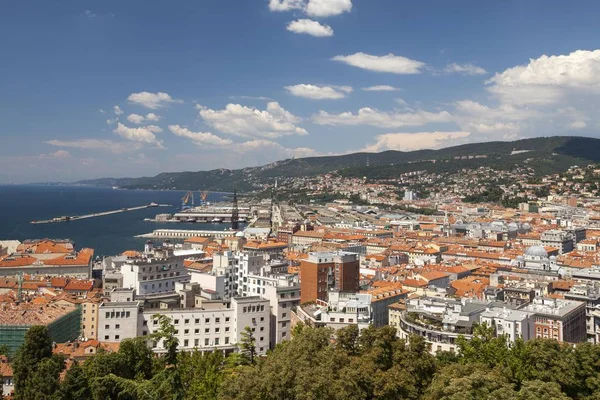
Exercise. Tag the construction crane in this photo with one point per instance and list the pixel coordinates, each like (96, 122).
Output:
(203, 196)
(186, 199)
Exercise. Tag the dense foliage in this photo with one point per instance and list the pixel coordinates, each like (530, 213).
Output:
(374, 364)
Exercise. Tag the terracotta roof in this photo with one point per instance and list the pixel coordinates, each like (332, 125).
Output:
(197, 240)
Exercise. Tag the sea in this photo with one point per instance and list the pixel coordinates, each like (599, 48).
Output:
(107, 235)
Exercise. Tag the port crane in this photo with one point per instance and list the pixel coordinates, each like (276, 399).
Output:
(185, 200)
(203, 196)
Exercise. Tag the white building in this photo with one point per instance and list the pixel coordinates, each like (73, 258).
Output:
(210, 326)
(155, 272)
(512, 323)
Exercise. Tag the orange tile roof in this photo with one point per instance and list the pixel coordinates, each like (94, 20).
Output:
(197, 239)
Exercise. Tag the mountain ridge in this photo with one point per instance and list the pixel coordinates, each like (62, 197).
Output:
(545, 154)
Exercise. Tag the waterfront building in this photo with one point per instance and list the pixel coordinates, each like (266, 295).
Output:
(48, 257)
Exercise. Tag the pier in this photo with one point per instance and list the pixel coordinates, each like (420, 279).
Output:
(94, 215)
(184, 234)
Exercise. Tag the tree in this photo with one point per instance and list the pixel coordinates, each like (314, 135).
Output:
(538, 390)
(75, 386)
(202, 374)
(469, 381)
(248, 346)
(138, 357)
(347, 339)
(4, 350)
(36, 348)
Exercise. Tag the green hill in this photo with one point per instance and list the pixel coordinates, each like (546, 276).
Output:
(545, 155)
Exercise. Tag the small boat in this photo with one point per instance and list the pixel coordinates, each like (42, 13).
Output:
(153, 204)
(216, 220)
(190, 220)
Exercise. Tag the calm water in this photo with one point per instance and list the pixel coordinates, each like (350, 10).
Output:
(108, 235)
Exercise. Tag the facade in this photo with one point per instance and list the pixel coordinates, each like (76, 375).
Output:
(89, 318)
(590, 295)
(209, 326)
(563, 241)
(155, 272)
(323, 271)
(563, 320)
(515, 324)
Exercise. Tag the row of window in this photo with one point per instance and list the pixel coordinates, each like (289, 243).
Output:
(118, 314)
(250, 309)
(196, 321)
(206, 330)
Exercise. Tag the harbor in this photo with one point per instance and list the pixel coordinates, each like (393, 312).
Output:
(94, 215)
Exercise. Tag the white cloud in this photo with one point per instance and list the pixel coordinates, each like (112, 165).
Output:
(548, 79)
(381, 88)
(578, 125)
(327, 8)
(264, 98)
(152, 117)
(388, 63)
(89, 14)
(319, 92)
(117, 110)
(313, 8)
(286, 5)
(60, 154)
(111, 121)
(465, 69)
(310, 27)
(152, 100)
(142, 134)
(415, 141)
(101, 111)
(135, 118)
(381, 119)
(95, 144)
(244, 121)
(199, 138)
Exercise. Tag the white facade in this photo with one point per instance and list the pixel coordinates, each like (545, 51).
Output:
(154, 273)
(512, 323)
(209, 327)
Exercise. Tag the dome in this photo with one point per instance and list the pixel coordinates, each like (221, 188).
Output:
(552, 258)
(536, 251)
(240, 234)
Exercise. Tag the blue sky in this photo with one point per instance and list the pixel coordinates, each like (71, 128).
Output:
(134, 88)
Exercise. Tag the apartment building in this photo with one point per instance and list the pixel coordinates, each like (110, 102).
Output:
(563, 320)
(323, 271)
(209, 326)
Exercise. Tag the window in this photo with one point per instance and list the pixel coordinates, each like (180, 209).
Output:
(196, 330)
(116, 337)
(106, 326)
(283, 315)
(107, 314)
(207, 320)
(144, 333)
(155, 322)
(206, 342)
(341, 319)
(177, 332)
(197, 320)
(117, 326)
(187, 321)
(217, 320)
(227, 340)
(284, 305)
(127, 314)
(226, 319)
(217, 330)
(216, 341)
(186, 332)
(196, 342)
(262, 319)
(186, 343)
(176, 322)
(284, 324)
(262, 328)
(106, 337)
(283, 334)
(207, 330)
(226, 329)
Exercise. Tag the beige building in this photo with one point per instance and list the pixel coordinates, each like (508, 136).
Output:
(89, 318)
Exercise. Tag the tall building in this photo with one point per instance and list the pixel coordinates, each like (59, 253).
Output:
(323, 271)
